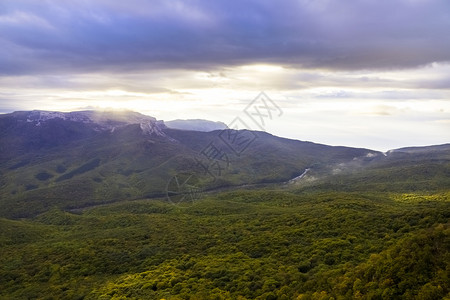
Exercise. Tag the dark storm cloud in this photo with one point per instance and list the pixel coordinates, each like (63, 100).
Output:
(83, 36)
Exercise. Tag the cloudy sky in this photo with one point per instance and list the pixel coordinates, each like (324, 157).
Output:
(368, 73)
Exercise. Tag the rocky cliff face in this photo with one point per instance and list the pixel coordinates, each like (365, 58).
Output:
(99, 120)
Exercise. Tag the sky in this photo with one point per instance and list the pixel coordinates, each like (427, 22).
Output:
(362, 73)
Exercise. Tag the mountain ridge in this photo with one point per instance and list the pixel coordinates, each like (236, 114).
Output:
(195, 125)
(112, 119)
(107, 120)
(73, 160)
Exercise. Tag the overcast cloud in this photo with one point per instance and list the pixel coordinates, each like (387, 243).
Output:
(61, 36)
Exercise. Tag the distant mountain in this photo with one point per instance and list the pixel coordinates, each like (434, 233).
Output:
(425, 149)
(196, 125)
(71, 160)
(413, 169)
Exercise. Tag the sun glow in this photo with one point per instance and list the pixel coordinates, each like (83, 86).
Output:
(263, 68)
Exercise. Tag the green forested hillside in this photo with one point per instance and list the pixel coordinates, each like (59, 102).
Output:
(239, 245)
(71, 165)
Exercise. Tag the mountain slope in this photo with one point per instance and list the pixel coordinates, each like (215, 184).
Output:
(24, 132)
(72, 160)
